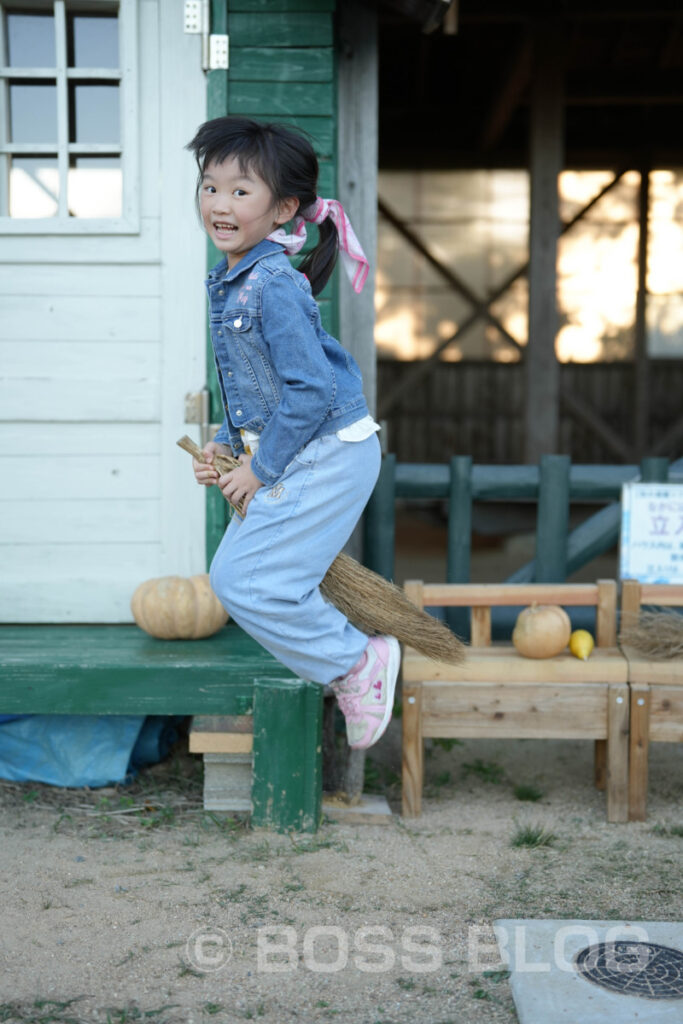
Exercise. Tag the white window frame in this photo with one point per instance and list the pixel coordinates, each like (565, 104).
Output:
(128, 147)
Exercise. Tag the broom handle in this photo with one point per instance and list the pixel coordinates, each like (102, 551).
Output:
(223, 463)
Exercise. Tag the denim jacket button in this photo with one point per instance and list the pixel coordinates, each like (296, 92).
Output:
(229, 373)
(221, 292)
(238, 322)
(220, 334)
(238, 412)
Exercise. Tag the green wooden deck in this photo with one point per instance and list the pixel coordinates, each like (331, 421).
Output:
(119, 670)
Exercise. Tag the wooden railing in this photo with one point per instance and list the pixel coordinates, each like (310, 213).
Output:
(553, 486)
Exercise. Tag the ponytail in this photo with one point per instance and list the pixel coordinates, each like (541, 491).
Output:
(318, 264)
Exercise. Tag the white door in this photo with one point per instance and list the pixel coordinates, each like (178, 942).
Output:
(102, 308)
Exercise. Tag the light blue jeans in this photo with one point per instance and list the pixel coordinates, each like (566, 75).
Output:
(269, 565)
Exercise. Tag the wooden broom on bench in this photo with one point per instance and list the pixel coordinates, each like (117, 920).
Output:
(373, 604)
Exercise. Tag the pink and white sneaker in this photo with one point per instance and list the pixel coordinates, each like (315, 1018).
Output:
(366, 693)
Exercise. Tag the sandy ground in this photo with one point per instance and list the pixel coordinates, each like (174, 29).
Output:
(133, 903)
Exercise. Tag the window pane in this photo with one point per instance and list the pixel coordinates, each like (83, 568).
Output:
(33, 186)
(95, 186)
(93, 41)
(31, 40)
(33, 112)
(94, 113)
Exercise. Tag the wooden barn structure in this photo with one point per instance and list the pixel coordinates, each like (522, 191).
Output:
(102, 309)
(543, 87)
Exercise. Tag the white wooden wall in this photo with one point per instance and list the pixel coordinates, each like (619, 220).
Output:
(100, 339)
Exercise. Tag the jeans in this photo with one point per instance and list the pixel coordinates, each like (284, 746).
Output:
(268, 567)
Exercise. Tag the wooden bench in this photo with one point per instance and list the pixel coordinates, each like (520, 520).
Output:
(119, 670)
(656, 687)
(497, 693)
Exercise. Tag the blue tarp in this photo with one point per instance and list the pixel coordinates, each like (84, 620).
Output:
(83, 750)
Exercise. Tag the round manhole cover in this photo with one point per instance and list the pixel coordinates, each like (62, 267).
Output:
(634, 968)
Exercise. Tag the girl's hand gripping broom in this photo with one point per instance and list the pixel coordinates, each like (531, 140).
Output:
(374, 605)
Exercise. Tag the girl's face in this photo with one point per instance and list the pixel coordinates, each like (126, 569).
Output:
(238, 208)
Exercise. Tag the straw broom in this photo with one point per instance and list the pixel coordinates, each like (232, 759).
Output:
(657, 634)
(370, 602)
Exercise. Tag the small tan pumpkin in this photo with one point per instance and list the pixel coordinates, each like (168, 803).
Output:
(178, 608)
(541, 631)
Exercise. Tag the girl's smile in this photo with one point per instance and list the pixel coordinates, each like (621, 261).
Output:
(238, 208)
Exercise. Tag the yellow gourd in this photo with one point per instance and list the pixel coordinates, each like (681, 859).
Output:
(178, 608)
(541, 631)
(581, 644)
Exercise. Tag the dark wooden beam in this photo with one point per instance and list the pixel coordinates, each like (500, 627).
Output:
(456, 282)
(545, 162)
(426, 366)
(642, 366)
(509, 94)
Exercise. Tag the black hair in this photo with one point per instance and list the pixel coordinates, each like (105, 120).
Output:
(285, 159)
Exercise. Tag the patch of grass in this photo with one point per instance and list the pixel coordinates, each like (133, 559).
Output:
(500, 975)
(532, 836)
(527, 792)
(407, 984)
(487, 771)
(447, 744)
(667, 830)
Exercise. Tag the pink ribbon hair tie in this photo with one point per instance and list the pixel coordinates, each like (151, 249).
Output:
(353, 258)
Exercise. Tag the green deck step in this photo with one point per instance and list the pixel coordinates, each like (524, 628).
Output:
(119, 670)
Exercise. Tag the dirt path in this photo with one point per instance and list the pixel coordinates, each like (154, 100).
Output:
(122, 905)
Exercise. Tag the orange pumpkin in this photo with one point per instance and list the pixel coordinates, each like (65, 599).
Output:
(541, 631)
(178, 608)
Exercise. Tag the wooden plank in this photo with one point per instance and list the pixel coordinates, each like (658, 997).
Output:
(514, 711)
(74, 582)
(502, 663)
(630, 602)
(287, 782)
(511, 594)
(111, 476)
(121, 670)
(27, 439)
(481, 626)
(641, 669)
(222, 734)
(79, 522)
(606, 614)
(617, 752)
(412, 771)
(133, 279)
(81, 318)
(79, 361)
(638, 752)
(264, 99)
(666, 594)
(281, 29)
(86, 400)
(666, 711)
(265, 64)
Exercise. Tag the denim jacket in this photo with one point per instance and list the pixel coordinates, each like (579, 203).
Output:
(280, 374)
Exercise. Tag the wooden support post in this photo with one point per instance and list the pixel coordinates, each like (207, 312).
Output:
(459, 534)
(413, 751)
(357, 174)
(600, 764)
(545, 162)
(638, 753)
(552, 519)
(380, 521)
(641, 363)
(287, 786)
(617, 752)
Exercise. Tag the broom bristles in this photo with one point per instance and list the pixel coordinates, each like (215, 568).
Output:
(655, 634)
(370, 602)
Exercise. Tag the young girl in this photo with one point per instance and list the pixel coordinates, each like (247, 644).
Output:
(295, 414)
